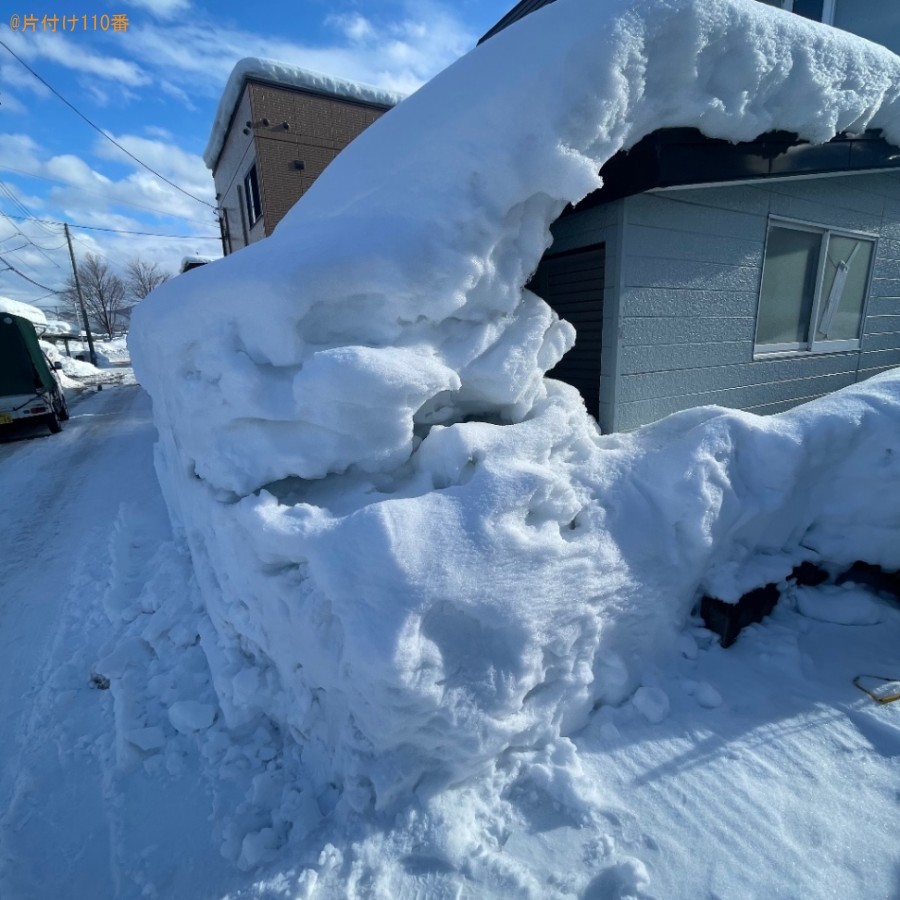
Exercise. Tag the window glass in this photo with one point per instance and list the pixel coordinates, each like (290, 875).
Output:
(251, 188)
(809, 9)
(788, 286)
(847, 264)
(876, 20)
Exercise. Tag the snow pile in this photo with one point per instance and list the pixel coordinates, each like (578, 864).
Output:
(112, 353)
(77, 368)
(58, 326)
(285, 75)
(25, 310)
(68, 364)
(415, 551)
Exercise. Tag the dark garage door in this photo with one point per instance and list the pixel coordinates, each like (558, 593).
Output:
(572, 283)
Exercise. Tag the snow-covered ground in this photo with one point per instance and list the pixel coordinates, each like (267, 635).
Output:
(758, 771)
(114, 363)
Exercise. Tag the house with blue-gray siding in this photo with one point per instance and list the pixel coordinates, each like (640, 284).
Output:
(754, 276)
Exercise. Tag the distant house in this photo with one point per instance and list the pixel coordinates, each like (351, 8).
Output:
(754, 276)
(277, 127)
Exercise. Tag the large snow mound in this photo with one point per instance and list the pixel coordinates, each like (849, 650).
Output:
(416, 551)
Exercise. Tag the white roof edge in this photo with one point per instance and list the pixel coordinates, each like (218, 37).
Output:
(284, 75)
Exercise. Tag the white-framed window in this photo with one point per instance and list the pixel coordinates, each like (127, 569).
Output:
(814, 288)
(817, 10)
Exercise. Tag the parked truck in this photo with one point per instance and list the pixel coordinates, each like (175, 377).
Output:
(29, 388)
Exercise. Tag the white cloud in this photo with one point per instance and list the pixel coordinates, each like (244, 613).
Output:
(397, 54)
(66, 51)
(13, 74)
(19, 151)
(162, 134)
(356, 28)
(185, 169)
(162, 9)
(10, 104)
(91, 196)
(178, 94)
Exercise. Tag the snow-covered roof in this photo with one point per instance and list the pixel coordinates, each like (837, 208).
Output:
(284, 75)
(188, 262)
(25, 310)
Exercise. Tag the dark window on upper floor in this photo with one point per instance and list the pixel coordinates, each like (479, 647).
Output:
(251, 195)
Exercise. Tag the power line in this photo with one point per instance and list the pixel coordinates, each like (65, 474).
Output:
(181, 237)
(37, 247)
(21, 275)
(16, 249)
(73, 187)
(45, 296)
(99, 130)
(17, 202)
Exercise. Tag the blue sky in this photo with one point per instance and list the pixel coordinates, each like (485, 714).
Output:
(155, 87)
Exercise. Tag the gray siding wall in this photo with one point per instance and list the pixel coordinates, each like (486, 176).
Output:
(690, 268)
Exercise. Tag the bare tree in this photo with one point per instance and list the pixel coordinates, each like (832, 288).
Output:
(104, 294)
(142, 277)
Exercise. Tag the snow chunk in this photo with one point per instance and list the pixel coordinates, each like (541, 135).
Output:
(652, 703)
(188, 716)
(707, 696)
(846, 604)
(146, 739)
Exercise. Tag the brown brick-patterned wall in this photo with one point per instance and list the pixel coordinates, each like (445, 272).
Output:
(320, 127)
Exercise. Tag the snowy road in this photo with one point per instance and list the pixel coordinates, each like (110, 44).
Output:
(65, 829)
(56, 491)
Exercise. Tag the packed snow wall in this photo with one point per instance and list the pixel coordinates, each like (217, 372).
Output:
(415, 552)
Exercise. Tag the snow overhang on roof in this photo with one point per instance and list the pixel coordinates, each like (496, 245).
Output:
(281, 74)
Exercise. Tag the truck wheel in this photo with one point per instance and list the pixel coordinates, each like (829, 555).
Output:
(63, 408)
(53, 423)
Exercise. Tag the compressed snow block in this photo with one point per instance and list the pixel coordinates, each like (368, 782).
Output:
(727, 620)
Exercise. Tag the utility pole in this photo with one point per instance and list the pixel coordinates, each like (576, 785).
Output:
(84, 315)
(223, 229)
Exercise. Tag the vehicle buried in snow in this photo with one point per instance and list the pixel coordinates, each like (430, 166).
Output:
(29, 388)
